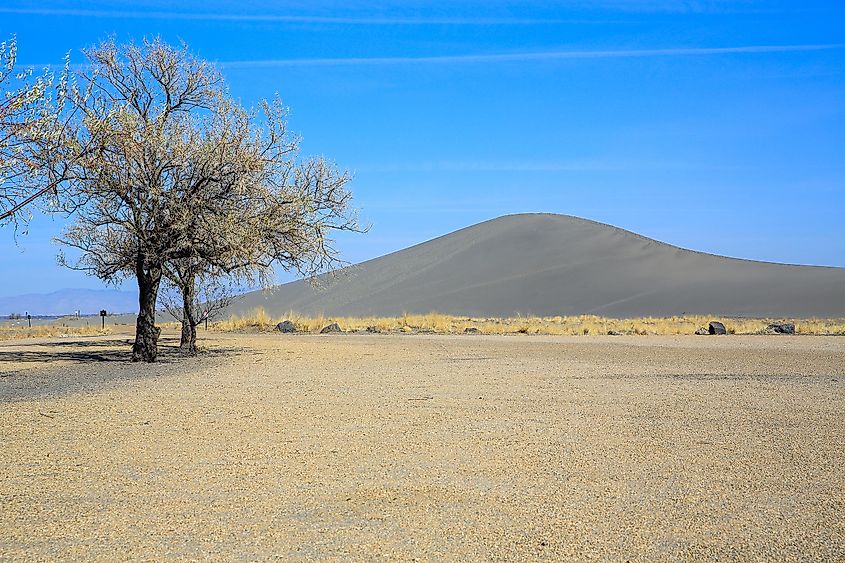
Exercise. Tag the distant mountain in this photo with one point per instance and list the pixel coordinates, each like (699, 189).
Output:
(68, 301)
(543, 264)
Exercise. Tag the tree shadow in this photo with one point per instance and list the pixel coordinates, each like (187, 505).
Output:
(82, 343)
(111, 351)
(89, 365)
(76, 351)
(82, 351)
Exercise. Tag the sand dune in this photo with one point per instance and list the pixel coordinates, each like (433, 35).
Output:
(543, 264)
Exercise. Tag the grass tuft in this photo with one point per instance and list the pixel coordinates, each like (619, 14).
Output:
(49, 331)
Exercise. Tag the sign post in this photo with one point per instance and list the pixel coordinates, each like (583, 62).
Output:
(28, 319)
(103, 314)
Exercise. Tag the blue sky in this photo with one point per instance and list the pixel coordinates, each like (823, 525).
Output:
(717, 126)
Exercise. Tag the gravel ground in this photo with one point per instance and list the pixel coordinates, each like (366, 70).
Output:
(425, 447)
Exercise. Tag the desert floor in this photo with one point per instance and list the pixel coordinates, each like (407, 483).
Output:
(425, 447)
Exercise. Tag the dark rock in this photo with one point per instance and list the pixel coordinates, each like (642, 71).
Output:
(716, 327)
(782, 328)
(286, 327)
(334, 327)
(613, 333)
(373, 330)
(471, 330)
(702, 331)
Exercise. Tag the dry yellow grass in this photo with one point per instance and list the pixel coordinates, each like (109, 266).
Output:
(47, 331)
(258, 319)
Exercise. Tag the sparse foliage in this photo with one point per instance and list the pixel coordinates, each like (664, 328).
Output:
(30, 131)
(185, 179)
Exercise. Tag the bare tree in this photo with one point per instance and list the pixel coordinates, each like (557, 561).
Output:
(274, 210)
(183, 175)
(137, 107)
(29, 128)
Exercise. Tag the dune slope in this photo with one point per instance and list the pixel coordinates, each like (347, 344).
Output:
(542, 264)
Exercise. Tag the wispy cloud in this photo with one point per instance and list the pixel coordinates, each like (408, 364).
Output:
(518, 166)
(538, 56)
(289, 18)
(532, 56)
(495, 166)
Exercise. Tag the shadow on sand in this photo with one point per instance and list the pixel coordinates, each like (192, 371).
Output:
(74, 350)
(114, 350)
(87, 365)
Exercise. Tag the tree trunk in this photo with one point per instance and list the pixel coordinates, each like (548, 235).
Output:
(145, 348)
(188, 343)
(185, 340)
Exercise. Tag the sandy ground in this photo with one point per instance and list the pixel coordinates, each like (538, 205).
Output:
(425, 447)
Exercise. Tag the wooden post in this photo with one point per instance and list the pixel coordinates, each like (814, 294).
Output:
(103, 314)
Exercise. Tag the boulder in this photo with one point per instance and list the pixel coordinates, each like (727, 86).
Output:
(334, 327)
(373, 330)
(716, 327)
(471, 330)
(782, 328)
(613, 333)
(702, 331)
(286, 327)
